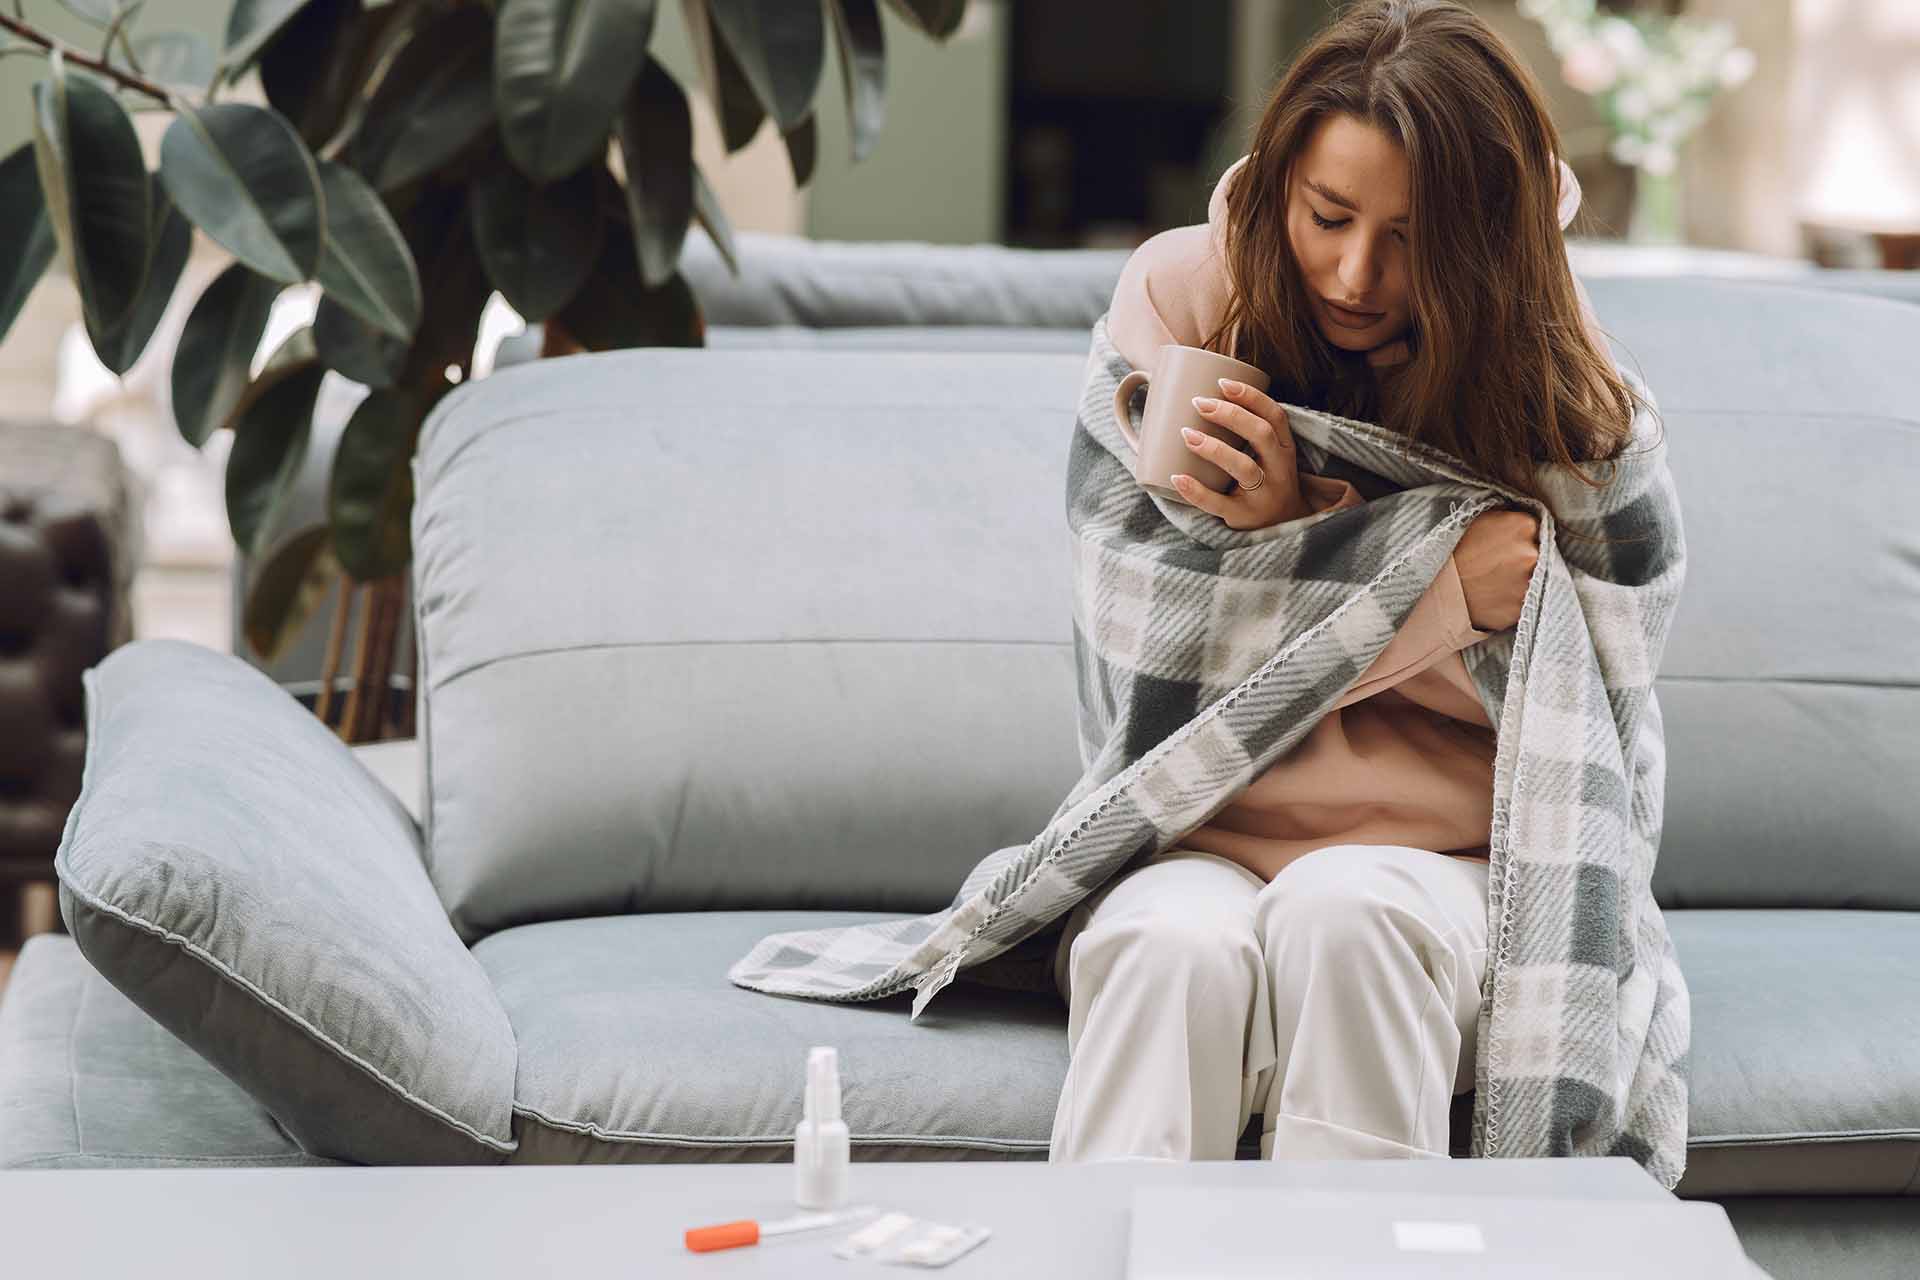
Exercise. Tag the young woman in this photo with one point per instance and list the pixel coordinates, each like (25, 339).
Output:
(1391, 249)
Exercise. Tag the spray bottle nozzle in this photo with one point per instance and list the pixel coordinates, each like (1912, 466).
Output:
(822, 1100)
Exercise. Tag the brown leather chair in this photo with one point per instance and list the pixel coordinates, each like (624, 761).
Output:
(69, 538)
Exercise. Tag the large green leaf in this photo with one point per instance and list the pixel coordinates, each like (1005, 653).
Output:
(24, 213)
(370, 490)
(296, 353)
(250, 24)
(560, 70)
(938, 18)
(246, 179)
(538, 242)
(655, 130)
(614, 309)
(215, 356)
(315, 65)
(269, 445)
(734, 100)
(288, 589)
(435, 99)
(94, 180)
(355, 349)
(780, 47)
(713, 219)
(120, 346)
(863, 69)
(802, 146)
(181, 59)
(366, 266)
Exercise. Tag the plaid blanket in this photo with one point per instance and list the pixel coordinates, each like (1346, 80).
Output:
(1205, 653)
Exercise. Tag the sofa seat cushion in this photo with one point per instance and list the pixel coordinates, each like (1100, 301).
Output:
(635, 1047)
(89, 1081)
(1806, 1051)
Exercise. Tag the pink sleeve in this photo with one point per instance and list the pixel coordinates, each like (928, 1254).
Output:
(1134, 324)
(1172, 289)
(1438, 626)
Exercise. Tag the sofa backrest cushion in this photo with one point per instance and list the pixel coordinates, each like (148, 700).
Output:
(767, 629)
(1790, 687)
(778, 629)
(787, 280)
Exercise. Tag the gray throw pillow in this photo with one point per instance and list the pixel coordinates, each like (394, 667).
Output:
(243, 879)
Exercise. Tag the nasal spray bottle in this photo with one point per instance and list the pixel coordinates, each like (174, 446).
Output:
(820, 1152)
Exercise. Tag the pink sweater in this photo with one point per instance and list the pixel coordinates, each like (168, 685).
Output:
(1406, 756)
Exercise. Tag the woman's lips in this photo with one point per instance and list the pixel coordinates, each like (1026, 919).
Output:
(1351, 319)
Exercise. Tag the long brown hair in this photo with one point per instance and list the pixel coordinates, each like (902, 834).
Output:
(1503, 374)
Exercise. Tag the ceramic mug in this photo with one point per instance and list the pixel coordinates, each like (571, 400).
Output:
(1179, 374)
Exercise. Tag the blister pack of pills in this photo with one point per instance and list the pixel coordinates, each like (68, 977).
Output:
(903, 1238)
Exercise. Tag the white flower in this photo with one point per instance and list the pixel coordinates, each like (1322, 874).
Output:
(1702, 47)
(1658, 159)
(1669, 128)
(1631, 104)
(1661, 85)
(1715, 38)
(1735, 66)
(1563, 34)
(1590, 67)
(1624, 39)
(1627, 149)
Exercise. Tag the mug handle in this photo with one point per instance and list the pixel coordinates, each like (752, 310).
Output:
(1123, 405)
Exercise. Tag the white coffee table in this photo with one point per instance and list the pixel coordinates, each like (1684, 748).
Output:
(581, 1221)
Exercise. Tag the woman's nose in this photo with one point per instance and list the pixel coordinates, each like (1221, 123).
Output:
(1359, 269)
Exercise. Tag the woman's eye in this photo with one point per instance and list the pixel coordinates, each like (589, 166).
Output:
(1330, 225)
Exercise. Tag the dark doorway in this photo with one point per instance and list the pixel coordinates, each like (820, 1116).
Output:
(1112, 108)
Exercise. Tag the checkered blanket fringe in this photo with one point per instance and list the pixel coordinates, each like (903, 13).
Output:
(1205, 653)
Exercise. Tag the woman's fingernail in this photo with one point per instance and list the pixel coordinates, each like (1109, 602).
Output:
(1193, 437)
(1205, 404)
(1229, 386)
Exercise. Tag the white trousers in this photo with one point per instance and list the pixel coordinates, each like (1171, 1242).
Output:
(1340, 1000)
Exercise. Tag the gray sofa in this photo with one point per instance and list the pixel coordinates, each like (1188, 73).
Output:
(717, 643)
(794, 292)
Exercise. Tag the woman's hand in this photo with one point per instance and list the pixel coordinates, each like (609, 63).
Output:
(1259, 420)
(1496, 557)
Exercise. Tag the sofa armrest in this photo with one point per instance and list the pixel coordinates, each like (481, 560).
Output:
(239, 875)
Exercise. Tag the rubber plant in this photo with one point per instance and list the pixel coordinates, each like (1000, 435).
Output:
(411, 158)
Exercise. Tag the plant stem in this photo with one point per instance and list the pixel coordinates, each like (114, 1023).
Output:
(126, 47)
(126, 79)
(113, 29)
(336, 640)
(362, 667)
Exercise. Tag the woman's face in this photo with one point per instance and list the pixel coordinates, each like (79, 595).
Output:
(1347, 221)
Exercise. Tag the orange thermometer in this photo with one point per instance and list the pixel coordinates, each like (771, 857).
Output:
(726, 1235)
